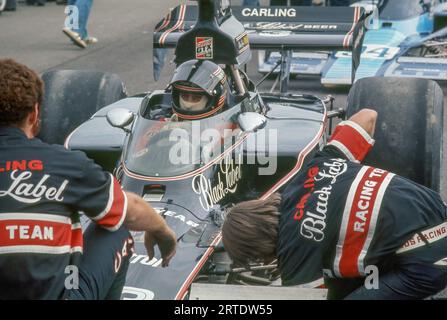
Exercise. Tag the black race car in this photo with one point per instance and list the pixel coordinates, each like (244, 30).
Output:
(267, 137)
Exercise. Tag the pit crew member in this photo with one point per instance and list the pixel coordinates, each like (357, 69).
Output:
(348, 223)
(43, 252)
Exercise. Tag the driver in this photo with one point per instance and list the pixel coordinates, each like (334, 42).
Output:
(198, 90)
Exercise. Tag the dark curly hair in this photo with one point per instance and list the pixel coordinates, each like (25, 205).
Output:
(20, 89)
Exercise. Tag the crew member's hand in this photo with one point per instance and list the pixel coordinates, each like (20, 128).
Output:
(142, 217)
(166, 241)
(366, 118)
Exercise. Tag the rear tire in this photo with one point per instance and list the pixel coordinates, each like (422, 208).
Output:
(72, 97)
(409, 130)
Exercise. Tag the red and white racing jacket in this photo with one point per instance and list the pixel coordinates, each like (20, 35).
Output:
(339, 217)
(42, 189)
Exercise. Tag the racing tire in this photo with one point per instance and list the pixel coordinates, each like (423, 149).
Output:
(410, 125)
(72, 97)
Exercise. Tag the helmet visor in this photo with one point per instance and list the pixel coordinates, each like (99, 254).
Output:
(193, 101)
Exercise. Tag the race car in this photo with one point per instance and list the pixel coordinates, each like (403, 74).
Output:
(268, 137)
(285, 29)
(405, 39)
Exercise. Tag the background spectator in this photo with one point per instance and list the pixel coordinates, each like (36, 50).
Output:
(80, 35)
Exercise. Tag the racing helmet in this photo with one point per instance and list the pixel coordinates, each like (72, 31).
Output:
(198, 89)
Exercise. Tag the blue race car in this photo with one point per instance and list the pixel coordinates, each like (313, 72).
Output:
(407, 38)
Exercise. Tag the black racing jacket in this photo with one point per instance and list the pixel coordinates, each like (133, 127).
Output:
(338, 217)
(42, 190)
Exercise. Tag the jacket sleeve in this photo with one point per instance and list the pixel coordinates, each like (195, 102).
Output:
(99, 195)
(350, 141)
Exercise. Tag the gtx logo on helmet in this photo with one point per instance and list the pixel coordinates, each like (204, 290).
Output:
(269, 12)
(204, 48)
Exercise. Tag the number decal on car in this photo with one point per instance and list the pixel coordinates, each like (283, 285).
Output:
(373, 51)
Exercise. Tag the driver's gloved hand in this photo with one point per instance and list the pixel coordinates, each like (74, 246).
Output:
(159, 114)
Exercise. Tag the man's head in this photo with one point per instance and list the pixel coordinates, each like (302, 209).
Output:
(250, 230)
(198, 89)
(21, 93)
(190, 98)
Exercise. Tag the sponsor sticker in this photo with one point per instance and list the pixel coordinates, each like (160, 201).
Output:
(270, 26)
(204, 48)
(132, 293)
(269, 12)
(242, 43)
(227, 181)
